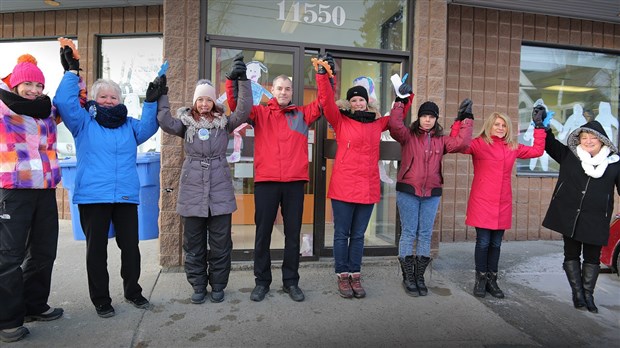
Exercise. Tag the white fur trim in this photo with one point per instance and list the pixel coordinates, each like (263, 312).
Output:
(204, 90)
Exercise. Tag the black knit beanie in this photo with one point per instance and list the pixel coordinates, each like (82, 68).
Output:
(357, 91)
(428, 108)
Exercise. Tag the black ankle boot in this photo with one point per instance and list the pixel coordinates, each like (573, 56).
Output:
(589, 276)
(492, 286)
(421, 262)
(573, 273)
(406, 265)
(481, 284)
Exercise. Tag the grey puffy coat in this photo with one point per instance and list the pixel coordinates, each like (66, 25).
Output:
(205, 186)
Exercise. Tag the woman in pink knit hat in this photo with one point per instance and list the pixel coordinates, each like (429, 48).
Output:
(29, 174)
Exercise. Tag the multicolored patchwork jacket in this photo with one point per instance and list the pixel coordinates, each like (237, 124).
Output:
(27, 151)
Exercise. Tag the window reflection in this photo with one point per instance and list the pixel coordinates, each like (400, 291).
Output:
(575, 87)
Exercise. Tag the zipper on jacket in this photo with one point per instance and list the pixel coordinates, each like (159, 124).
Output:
(346, 151)
(579, 209)
(557, 191)
(427, 162)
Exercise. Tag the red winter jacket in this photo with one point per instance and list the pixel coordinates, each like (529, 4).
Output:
(281, 139)
(355, 176)
(421, 155)
(490, 198)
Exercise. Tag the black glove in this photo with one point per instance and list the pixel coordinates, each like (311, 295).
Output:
(72, 63)
(538, 116)
(63, 60)
(465, 110)
(330, 61)
(238, 69)
(405, 89)
(156, 89)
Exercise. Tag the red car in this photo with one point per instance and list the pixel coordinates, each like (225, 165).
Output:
(610, 254)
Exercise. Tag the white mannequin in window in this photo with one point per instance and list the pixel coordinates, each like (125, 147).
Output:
(608, 120)
(574, 121)
(528, 136)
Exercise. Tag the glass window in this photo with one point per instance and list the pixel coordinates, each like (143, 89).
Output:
(575, 86)
(48, 60)
(358, 23)
(133, 62)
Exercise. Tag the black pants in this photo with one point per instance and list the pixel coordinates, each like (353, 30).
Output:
(95, 220)
(216, 230)
(572, 251)
(268, 196)
(28, 243)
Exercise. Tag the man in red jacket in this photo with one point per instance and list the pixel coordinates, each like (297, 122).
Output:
(280, 173)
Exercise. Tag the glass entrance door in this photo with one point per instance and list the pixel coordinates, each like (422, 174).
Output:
(381, 237)
(263, 63)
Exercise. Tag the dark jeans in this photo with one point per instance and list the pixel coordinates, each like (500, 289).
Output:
(488, 245)
(350, 222)
(268, 196)
(95, 220)
(28, 243)
(572, 251)
(214, 231)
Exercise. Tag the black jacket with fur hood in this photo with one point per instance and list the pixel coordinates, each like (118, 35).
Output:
(582, 204)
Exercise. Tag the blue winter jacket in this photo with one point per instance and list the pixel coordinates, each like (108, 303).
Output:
(106, 157)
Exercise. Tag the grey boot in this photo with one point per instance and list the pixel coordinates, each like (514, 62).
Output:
(589, 273)
(481, 284)
(406, 265)
(421, 262)
(573, 273)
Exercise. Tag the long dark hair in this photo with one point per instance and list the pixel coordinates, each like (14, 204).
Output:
(436, 131)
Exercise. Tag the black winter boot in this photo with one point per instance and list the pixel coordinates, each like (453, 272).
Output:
(481, 284)
(589, 276)
(573, 273)
(406, 265)
(421, 262)
(492, 286)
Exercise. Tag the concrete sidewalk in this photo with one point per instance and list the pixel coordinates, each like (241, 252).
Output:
(537, 310)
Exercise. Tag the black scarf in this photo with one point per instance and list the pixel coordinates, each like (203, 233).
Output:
(113, 117)
(360, 116)
(41, 107)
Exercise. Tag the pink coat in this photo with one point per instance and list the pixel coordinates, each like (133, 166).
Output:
(490, 199)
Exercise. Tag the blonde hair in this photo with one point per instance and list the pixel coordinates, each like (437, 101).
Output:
(485, 132)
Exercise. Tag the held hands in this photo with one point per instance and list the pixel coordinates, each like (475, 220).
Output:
(156, 89)
(324, 64)
(67, 60)
(465, 110)
(238, 69)
(404, 89)
(538, 116)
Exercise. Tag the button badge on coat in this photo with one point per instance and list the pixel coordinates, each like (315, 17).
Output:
(203, 134)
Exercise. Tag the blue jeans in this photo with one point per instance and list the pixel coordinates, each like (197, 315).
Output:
(417, 217)
(488, 244)
(350, 222)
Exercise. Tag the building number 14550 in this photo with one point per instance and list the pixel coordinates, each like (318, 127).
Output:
(312, 13)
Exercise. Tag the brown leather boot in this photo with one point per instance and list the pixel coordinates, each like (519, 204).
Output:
(356, 285)
(344, 286)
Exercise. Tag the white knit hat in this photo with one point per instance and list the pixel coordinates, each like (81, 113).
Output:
(204, 90)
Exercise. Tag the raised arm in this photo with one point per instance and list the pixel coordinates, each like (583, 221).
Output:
(147, 126)
(326, 100)
(67, 103)
(398, 130)
(241, 114)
